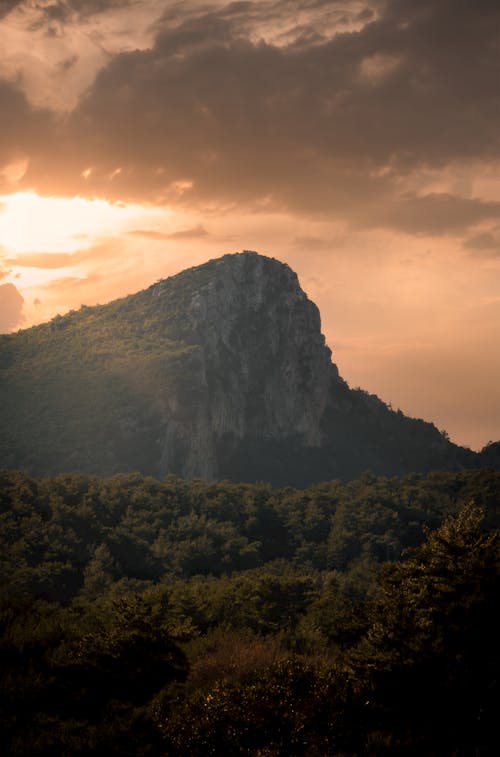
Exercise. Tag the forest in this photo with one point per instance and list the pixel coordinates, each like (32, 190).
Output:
(147, 617)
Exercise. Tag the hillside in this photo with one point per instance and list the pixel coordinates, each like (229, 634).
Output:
(218, 372)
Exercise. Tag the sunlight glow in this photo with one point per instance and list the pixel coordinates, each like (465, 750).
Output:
(29, 223)
(15, 170)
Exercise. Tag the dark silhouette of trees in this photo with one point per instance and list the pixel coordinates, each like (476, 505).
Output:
(429, 664)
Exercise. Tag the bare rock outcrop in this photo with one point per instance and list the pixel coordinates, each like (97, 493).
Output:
(261, 365)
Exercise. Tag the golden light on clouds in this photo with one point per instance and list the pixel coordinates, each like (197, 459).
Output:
(57, 50)
(31, 224)
(15, 170)
(57, 239)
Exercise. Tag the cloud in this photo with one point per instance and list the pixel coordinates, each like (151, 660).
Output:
(24, 131)
(54, 260)
(91, 7)
(196, 232)
(234, 118)
(272, 106)
(61, 10)
(4, 270)
(44, 260)
(11, 307)
(150, 234)
(6, 6)
(68, 63)
(435, 214)
(485, 241)
(54, 48)
(311, 243)
(100, 253)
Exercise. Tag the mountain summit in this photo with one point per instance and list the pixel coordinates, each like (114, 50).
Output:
(218, 372)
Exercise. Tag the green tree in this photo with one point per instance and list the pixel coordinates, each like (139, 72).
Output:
(65, 691)
(99, 574)
(429, 665)
(287, 709)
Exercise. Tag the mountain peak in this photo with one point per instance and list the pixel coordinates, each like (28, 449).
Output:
(220, 371)
(262, 364)
(236, 271)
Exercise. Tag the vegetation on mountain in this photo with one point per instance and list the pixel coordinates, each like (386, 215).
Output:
(169, 617)
(218, 372)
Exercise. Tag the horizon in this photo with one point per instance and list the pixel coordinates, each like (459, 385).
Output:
(354, 141)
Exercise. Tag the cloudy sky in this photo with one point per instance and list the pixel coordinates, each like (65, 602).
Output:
(357, 140)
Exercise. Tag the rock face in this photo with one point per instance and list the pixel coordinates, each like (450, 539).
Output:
(218, 372)
(261, 365)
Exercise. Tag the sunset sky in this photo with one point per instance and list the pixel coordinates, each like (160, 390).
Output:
(358, 141)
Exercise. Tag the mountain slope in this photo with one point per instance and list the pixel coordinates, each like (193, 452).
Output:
(218, 372)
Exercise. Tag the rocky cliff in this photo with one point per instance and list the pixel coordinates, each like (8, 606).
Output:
(220, 371)
(261, 369)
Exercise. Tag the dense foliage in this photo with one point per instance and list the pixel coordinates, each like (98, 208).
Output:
(175, 618)
(80, 390)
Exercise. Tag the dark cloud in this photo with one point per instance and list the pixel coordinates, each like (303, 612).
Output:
(62, 10)
(68, 63)
(334, 123)
(486, 242)
(57, 11)
(291, 20)
(24, 131)
(430, 214)
(90, 7)
(6, 6)
(11, 307)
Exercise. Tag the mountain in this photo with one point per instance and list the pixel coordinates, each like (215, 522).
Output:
(218, 372)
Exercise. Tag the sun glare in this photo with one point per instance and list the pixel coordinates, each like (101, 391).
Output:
(31, 224)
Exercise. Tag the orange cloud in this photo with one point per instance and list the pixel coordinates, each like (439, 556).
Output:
(44, 260)
(196, 232)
